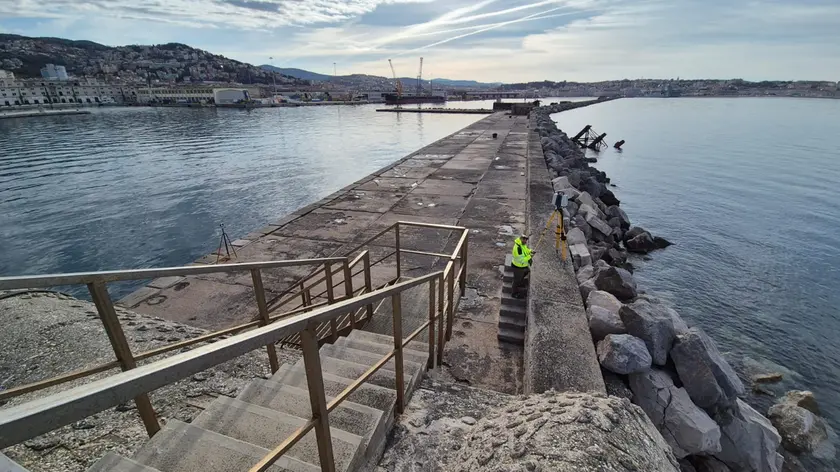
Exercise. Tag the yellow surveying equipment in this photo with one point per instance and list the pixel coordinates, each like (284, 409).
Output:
(560, 201)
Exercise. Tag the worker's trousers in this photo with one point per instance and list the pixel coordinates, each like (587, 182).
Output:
(520, 281)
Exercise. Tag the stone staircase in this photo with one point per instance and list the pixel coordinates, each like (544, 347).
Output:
(233, 434)
(512, 314)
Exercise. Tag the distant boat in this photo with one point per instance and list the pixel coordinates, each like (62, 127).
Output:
(395, 99)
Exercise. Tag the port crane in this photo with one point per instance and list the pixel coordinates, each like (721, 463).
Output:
(420, 79)
(397, 82)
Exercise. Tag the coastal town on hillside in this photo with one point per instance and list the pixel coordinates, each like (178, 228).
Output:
(52, 71)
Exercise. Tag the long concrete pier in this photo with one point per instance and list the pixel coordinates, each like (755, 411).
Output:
(34, 114)
(469, 178)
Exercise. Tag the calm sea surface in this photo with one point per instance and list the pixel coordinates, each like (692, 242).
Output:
(748, 191)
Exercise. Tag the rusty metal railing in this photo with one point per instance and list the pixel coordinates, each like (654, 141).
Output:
(23, 422)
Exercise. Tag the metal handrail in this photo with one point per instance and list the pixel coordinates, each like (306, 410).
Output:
(42, 281)
(23, 422)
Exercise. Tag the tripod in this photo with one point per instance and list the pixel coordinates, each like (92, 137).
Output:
(228, 245)
(560, 243)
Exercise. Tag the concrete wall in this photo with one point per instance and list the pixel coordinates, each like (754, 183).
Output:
(559, 353)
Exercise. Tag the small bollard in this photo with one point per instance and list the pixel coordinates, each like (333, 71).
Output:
(495, 135)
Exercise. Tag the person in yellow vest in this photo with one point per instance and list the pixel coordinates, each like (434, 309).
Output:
(521, 264)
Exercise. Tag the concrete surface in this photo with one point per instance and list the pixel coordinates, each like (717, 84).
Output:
(559, 353)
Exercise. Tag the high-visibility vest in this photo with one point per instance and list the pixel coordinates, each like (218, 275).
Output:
(521, 254)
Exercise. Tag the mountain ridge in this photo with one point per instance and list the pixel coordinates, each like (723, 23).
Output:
(408, 82)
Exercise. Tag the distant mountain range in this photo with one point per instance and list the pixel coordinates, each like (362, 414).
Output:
(354, 79)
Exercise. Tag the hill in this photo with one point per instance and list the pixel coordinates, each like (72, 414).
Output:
(374, 80)
(171, 62)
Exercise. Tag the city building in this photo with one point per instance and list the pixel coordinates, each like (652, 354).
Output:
(54, 72)
(4, 74)
(40, 92)
(185, 94)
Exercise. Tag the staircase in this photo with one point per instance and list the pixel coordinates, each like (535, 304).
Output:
(512, 314)
(233, 434)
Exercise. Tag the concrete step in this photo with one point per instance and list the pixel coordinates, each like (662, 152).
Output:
(511, 336)
(409, 354)
(352, 417)
(367, 336)
(508, 300)
(182, 447)
(267, 428)
(112, 463)
(351, 370)
(373, 396)
(412, 369)
(513, 324)
(517, 312)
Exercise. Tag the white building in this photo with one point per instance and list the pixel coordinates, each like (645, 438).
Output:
(54, 72)
(184, 94)
(4, 74)
(40, 92)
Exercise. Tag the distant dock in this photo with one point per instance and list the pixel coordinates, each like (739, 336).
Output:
(32, 114)
(462, 111)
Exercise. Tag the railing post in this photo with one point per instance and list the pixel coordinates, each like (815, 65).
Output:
(450, 308)
(396, 304)
(302, 293)
(348, 290)
(441, 330)
(259, 292)
(331, 299)
(105, 307)
(432, 306)
(317, 397)
(399, 254)
(368, 283)
(463, 279)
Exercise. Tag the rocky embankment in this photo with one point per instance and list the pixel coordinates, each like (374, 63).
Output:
(648, 353)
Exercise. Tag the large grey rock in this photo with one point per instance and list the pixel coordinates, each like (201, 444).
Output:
(587, 287)
(616, 281)
(685, 427)
(641, 244)
(803, 398)
(580, 255)
(578, 221)
(564, 432)
(709, 464)
(593, 187)
(623, 354)
(598, 250)
(585, 273)
(633, 232)
(605, 300)
(609, 198)
(709, 379)
(802, 431)
(749, 442)
(586, 199)
(575, 236)
(596, 222)
(653, 325)
(615, 211)
(603, 322)
(561, 183)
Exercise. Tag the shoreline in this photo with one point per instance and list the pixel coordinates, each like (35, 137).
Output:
(646, 348)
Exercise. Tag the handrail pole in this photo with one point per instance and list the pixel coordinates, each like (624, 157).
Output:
(259, 292)
(441, 330)
(331, 299)
(302, 290)
(368, 283)
(399, 253)
(317, 397)
(396, 305)
(432, 305)
(450, 308)
(463, 281)
(348, 290)
(108, 315)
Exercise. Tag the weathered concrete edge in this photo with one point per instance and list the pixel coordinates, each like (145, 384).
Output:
(152, 288)
(559, 353)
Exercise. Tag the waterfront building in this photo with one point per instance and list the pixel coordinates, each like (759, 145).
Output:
(5, 74)
(40, 92)
(190, 93)
(54, 72)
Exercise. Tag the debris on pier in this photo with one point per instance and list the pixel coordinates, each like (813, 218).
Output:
(589, 138)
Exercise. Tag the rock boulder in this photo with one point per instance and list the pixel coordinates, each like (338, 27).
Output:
(687, 428)
(749, 442)
(651, 323)
(623, 354)
(801, 430)
(641, 244)
(603, 322)
(709, 379)
(616, 281)
(605, 300)
(615, 211)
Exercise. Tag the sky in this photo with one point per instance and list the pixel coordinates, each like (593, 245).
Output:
(485, 40)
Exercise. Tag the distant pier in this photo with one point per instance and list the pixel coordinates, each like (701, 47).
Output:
(32, 114)
(462, 111)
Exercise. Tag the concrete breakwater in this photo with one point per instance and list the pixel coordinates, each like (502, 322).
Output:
(37, 113)
(649, 353)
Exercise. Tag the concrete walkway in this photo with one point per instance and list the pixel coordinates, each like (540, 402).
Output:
(468, 178)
